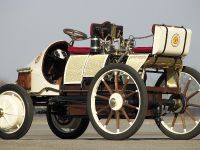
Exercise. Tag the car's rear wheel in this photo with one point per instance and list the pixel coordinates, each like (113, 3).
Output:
(66, 127)
(184, 124)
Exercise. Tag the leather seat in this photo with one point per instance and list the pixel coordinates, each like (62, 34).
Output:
(142, 49)
(79, 50)
(86, 50)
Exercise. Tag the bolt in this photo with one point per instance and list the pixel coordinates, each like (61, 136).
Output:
(1, 112)
(112, 102)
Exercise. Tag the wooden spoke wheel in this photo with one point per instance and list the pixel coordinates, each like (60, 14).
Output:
(184, 124)
(117, 102)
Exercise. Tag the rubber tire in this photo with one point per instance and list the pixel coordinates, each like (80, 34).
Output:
(72, 135)
(194, 132)
(28, 111)
(141, 116)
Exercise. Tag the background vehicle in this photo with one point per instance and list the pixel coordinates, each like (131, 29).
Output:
(106, 84)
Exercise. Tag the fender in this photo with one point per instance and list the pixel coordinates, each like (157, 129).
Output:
(38, 81)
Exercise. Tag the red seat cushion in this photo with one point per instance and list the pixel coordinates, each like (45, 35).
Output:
(79, 50)
(142, 49)
(86, 50)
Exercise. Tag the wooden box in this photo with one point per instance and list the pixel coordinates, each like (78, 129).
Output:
(24, 80)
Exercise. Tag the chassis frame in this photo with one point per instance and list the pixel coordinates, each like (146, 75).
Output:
(107, 83)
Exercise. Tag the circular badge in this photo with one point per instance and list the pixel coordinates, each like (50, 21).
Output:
(175, 40)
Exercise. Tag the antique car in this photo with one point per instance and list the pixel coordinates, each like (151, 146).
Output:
(106, 84)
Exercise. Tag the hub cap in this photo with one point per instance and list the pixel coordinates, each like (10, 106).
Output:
(1, 112)
(12, 111)
(116, 101)
(179, 101)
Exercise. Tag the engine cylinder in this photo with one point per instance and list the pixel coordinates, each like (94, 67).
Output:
(95, 44)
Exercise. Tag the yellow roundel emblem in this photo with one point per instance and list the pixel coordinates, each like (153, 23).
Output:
(175, 40)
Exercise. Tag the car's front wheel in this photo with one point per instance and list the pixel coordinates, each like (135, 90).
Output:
(117, 102)
(16, 112)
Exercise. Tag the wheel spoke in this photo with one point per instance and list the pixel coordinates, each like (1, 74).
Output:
(109, 117)
(174, 120)
(183, 122)
(126, 116)
(130, 94)
(13, 114)
(130, 106)
(18, 126)
(125, 84)
(191, 115)
(102, 97)
(102, 109)
(192, 95)
(107, 86)
(7, 121)
(116, 82)
(187, 86)
(117, 120)
(194, 105)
